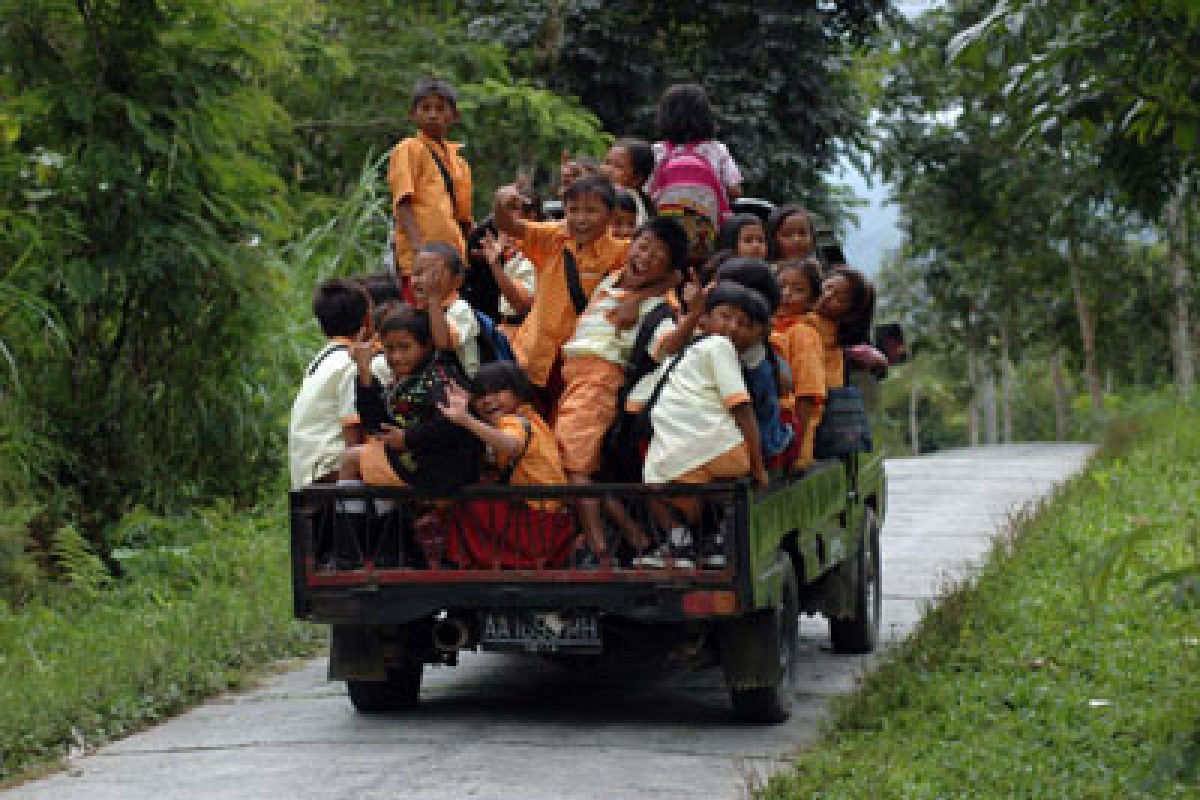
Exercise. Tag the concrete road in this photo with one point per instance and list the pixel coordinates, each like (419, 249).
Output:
(508, 727)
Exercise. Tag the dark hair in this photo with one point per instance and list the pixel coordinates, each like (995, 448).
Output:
(728, 293)
(592, 186)
(588, 165)
(448, 253)
(641, 155)
(670, 233)
(497, 376)
(809, 267)
(731, 229)
(753, 274)
(381, 286)
(427, 86)
(340, 306)
(855, 327)
(684, 114)
(406, 318)
(775, 222)
(625, 201)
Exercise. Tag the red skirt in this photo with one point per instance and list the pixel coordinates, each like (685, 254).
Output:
(785, 459)
(501, 534)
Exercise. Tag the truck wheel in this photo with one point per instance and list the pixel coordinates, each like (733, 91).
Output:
(400, 691)
(771, 704)
(860, 633)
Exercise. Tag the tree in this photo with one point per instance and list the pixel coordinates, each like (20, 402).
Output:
(779, 73)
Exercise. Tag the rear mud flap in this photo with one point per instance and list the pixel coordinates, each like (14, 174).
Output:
(356, 653)
(750, 651)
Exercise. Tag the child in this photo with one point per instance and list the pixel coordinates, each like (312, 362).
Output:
(789, 233)
(694, 175)
(761, 364)
(629, 165)
(429, 179)
(685, 119)
(800, 345)
(842, 319)
(522, 447)
(323, 421)
(703, 422)
(412, 444)
(743, 235)
(595, 356)
(436, 278)
(625, 215)
(584, 241)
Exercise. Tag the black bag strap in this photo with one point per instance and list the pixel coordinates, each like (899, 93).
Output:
(507, 473)
(312, 368)
(571, 267)
(640, 354)
(441, 165)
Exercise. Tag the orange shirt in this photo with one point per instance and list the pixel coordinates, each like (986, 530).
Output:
(540, 465)
(413, 174)
(832, 355)
(800, 346)
(552, 317)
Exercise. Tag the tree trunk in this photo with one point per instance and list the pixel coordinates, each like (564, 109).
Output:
(1005, 383)
(914, 420)
(1087, 330)
(1181, 338)
(1062, 400)
(991, 421)
(973, 405)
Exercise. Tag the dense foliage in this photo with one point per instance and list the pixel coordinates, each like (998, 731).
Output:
(779, 73)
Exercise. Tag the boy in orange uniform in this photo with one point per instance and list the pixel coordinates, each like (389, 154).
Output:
(430, 181)
(571, 258)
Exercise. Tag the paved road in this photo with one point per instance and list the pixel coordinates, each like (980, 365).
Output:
(504, 727)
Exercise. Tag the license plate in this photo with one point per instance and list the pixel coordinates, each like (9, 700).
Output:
(541, 632)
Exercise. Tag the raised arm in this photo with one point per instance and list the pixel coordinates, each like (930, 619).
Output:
(455, 410)
(516, 294)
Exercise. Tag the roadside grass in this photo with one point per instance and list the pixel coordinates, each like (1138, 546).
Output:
(1068, 668)
(202, 605)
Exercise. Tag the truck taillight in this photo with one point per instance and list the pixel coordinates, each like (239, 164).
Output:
(708, 603)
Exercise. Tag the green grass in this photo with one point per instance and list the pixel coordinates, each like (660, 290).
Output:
(1065, 670)
(204, 602)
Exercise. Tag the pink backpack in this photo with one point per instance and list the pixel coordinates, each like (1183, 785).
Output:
(686, 180)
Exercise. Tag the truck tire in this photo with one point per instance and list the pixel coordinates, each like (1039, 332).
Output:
(773, 704)
(860, 633)
(401, 690)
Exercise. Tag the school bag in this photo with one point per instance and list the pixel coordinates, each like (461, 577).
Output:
(687, 188)
(493, 344)
(621, 453)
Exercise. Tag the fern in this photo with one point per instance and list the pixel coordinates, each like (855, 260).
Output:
(81, 567)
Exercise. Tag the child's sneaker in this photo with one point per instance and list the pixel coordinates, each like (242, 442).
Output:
(682, 548)
(584, 559)
(712, 549)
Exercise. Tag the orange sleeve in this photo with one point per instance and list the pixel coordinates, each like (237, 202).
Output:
(735, 399)
(542, 244)
(463, 186)
(400, 171)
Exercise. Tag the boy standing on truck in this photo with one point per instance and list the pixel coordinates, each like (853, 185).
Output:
(703, 422)
(429, 179)
(324, 421)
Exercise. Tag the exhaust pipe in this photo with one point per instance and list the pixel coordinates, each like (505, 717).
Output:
(451, 634)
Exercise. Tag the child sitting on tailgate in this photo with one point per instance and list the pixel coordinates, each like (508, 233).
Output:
(411, 443)
(323, 421)
(522, 450)
(703, 423)
(595, 356)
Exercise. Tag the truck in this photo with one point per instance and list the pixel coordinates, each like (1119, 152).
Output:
(400, 594)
